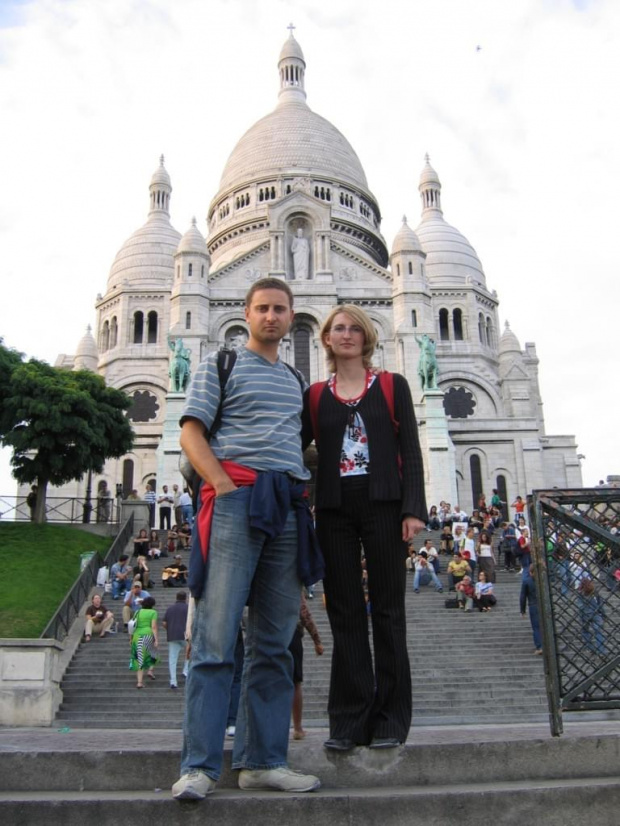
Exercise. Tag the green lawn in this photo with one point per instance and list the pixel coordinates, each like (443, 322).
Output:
(39, 564)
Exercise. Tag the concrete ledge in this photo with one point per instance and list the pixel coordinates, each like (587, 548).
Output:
(554, 803)
(30, 675)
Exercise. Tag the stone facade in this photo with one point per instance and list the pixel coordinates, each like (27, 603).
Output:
(294, 176)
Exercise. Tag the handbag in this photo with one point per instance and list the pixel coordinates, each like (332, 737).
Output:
(131, 625)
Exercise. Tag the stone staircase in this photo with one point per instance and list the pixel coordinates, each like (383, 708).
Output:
(447, 776)
(467, 668)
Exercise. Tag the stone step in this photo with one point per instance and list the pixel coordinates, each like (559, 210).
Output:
(552, 802)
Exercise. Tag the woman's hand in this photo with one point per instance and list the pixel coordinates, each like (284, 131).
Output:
(411, 526)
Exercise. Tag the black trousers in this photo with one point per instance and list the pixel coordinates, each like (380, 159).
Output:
(366, 703)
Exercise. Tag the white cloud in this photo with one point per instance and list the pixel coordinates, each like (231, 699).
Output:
(522, 132)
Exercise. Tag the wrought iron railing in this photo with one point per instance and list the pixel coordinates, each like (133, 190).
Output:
(62, 509)
(60, 624)
(577, 565)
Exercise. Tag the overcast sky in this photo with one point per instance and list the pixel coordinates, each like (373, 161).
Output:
(515, 102)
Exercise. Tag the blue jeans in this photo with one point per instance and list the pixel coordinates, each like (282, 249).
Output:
(535, 623)
(175, 648)
(242, 567)
(119, 585)
(429, 576)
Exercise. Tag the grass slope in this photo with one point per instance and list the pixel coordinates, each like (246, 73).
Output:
(39, 564)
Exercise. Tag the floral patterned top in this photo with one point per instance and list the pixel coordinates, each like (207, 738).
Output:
(354, 456)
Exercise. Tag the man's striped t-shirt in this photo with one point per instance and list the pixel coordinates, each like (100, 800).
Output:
(261, 413)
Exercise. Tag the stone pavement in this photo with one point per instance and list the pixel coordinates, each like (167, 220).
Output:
(32, 740)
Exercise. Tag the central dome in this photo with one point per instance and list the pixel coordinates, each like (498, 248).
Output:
(292, 139)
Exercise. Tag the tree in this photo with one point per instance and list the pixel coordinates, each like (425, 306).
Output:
(61, 424)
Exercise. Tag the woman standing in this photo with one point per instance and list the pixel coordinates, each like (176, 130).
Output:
(370, 493)
(144, 641)
(486, 560)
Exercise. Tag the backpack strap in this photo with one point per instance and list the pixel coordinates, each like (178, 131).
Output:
(225, 362)
(314, 394)
(386, 380)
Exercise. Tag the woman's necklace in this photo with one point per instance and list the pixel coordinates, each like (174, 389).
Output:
(350, 391)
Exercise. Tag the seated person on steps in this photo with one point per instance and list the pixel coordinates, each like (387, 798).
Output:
(175, 574)
(465, 593)
(98, 618)
(121, 575)
(133, 601)
(425, 574)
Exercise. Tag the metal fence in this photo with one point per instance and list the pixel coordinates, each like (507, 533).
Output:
(62, 509)
(60, 624)
(577, 569)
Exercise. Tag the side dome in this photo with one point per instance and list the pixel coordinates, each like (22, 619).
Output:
(509, 343)
(86, 355)
(146, 257)
(450, 258)
(193, 241)
(406, 240)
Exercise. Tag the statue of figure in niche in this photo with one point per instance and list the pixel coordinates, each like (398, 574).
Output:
(301, 256)
(179, 366)
(428, 369)
(236, 338)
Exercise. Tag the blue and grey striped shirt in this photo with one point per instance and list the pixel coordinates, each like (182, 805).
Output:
(261, 413)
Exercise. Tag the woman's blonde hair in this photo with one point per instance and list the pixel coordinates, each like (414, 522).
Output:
(363, 320)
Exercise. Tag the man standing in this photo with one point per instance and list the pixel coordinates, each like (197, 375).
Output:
(254, 458)
(176, 504)
(165, 509)
(175, 620)
(151, 498)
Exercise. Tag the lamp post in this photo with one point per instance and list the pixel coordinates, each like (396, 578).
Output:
(88, 505)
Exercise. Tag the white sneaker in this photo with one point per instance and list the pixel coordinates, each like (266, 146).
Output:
(194, 785)
(278, 780)
(230, 731)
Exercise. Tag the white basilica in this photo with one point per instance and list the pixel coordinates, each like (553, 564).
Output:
(294, 203)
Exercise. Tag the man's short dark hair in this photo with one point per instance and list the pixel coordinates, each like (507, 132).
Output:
(181, 596)
(269, 284)
(123, 558)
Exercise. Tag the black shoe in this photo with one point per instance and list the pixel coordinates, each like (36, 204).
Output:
(384, 743)
(339, 744)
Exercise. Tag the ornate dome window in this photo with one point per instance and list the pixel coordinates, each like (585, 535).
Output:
(459, 403)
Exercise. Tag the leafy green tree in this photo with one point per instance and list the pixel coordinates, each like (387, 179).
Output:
(61, 424)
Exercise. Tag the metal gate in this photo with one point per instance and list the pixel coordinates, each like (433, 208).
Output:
(576, 553)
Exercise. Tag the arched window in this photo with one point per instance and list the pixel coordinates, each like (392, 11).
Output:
(410, 268)
(301, 348)
(138, 327)
(127, 477)
(178, 271)
(502, 491)
(152, 328)
(398, 270)
(105, 336)
(481, 328)
(113, 331)
(444, 329)
(489, 326)
(476, 479)
(188, 321)
(202, 271)
(457, 319)
(189, 270)
(414, 318)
